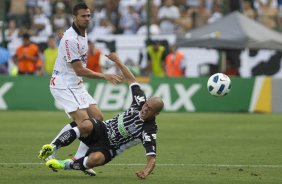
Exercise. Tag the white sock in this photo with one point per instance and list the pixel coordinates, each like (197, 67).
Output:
(84, 162)
(77, 132)
(81, 151)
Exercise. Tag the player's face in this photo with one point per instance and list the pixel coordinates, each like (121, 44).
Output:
(82, 19)
(147, 111)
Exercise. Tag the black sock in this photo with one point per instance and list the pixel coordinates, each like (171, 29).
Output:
(65, 138)
(78, 164)
(73, 124)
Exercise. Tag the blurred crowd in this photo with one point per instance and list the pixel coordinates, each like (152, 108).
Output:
(42, 23)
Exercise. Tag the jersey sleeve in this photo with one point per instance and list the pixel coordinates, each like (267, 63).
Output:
(138, 96)
(71, 49)
(149, 137)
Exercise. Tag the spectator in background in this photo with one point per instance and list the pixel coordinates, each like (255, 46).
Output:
(50, 55)
(267, 12)
(156, 55)
(105, 27)
(154, 27)
(60, 19)
(12, 36)
(98, 14)
(59, 33)
(185, 22)
(4, 58)
(112, 14)
(17, 10)
(216, 13)
(167, 16)
(94, 56)
(41, 26)
(45, 7)
(174, 63)
(202, 13)
(12, 32)
(130, 20)
(154, 9)
(280, 14)
(248, 10)
(27, 56)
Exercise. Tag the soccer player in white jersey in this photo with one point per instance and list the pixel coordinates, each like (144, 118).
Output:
(66, 84)
(106, 139)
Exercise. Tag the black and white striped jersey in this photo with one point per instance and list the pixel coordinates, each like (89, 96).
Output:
(127, 128)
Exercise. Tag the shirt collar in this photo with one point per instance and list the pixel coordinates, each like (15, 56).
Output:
(76, 29)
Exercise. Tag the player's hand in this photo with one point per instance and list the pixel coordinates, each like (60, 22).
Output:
(141, 175)
(113, 78)
(113, 56)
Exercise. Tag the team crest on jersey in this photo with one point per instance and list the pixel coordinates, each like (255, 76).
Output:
(139, 99)
(84, 58)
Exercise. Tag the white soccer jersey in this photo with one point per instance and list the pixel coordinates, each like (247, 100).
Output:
(72, 47)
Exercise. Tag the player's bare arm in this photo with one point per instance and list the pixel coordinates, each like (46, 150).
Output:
(151, 162)
(85, 72)
(125, 71)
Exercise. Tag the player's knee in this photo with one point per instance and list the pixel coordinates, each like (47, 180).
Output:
(99, 117)
(85, 128)
(95, 159)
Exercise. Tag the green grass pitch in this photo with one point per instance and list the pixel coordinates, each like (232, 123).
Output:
(199, 148)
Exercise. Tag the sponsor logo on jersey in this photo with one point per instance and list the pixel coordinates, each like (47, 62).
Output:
(122, 130)
(84, 59)
(139, 99)
(67, 49)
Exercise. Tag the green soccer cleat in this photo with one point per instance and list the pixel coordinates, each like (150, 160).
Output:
(46, 151)
(56, 165)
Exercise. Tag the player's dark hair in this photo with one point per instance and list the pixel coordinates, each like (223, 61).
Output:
(79, 6)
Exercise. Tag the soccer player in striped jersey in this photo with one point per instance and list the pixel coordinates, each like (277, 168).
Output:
(109, 138)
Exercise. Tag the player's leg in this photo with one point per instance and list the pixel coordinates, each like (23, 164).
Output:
(98, 154)
(81, 151)
(75, 103)
(49, 147)
(65, 128)
(94, 159)
(83, 129)
(93, 112)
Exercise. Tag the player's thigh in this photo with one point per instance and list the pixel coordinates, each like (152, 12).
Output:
(83, 122)
(79, 115)
(95, 112)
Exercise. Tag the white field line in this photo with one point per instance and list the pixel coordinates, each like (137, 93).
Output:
(175, 165)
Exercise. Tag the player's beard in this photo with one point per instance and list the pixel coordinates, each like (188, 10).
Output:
(83, 26)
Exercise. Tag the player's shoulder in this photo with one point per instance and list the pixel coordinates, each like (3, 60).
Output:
(150, 126)
(70, 35)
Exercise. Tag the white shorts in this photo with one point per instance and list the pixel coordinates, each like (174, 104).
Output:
(72, 99)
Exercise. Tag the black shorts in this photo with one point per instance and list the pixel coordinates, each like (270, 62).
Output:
(98, 141)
